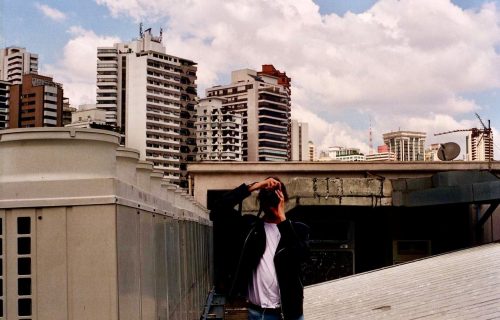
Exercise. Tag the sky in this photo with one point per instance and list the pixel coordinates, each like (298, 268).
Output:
(419, 65)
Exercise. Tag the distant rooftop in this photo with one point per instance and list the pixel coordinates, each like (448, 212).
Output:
(460, 285)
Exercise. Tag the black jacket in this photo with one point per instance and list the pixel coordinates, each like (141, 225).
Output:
(244, 242)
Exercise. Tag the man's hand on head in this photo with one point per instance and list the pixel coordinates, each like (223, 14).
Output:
(269, 183)
(280, 213)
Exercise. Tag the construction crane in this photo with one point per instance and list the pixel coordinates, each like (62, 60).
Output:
(484, 132)
(482, 123)
(475, 131)
(488, 138)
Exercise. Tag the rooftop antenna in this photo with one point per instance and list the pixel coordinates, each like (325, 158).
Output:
(141, 33)
(161, 34)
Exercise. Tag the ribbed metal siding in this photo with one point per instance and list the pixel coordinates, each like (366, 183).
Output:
(174, 261)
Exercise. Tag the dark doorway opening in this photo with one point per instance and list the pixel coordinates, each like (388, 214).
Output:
(352, 239)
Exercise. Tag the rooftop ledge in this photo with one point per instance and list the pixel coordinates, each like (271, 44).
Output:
(47, 167)
(59, 133)
(382, 166)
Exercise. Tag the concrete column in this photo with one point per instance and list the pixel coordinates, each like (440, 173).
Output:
(144, 170)
(126, 164)
(156, 178)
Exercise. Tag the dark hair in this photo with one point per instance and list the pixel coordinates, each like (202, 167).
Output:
(268, 197)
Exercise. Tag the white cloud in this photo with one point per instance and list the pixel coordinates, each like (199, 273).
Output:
(327, 134)
(407, 63)
(51, 13)
(77, 67)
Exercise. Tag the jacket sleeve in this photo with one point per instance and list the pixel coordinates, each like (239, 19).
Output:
(225, 205)
(295, 238)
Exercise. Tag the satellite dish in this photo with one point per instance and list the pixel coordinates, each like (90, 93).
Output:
(448, 151)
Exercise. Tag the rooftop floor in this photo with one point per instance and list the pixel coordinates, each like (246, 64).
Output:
(459, 285)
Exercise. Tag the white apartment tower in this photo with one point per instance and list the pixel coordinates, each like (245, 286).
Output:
(263, 100)
(407, 145)
(218, 132)
(150, 97)
(300, 141)
(312, 151)
(15, 62)
(479, 144)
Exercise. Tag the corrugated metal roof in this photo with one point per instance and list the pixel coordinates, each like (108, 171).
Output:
(460, 285)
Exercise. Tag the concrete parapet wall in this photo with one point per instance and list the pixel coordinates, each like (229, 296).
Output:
(108, 238)
(333, 183)
(51, 166)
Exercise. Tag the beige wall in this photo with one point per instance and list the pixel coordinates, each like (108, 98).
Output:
(107, 238)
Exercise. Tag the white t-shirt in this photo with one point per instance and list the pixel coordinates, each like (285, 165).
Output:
(263, 290)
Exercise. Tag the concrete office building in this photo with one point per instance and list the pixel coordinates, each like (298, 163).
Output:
(407, 145)
(218, 132)
(345, 154)
(36, 102)
(88, 118)
(150, 96)
(4, 104)
(264, 105)
(479, 145)
(300, 141)
(383, 154)
(15, 62)
(431, 153)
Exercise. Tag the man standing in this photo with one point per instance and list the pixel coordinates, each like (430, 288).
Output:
(264, 254)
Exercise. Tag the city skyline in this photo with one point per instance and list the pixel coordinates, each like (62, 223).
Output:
(349, 60)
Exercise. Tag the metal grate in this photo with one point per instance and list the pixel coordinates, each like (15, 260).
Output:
(2, 267)
(24, 268)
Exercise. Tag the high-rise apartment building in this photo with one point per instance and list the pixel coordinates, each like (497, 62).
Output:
(67, 112)
(36, 102)
(15, 62)
(150, 96)
(4, 104)
(265, 106)
(312, 151)
(218, 132)
(479, 145)
(300, 141)
(407, 145)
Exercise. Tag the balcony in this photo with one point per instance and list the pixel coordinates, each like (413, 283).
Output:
(106, 54)
(109, 99)
(107, 77)
(107, 81)
(280, 102)
(106, 90)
